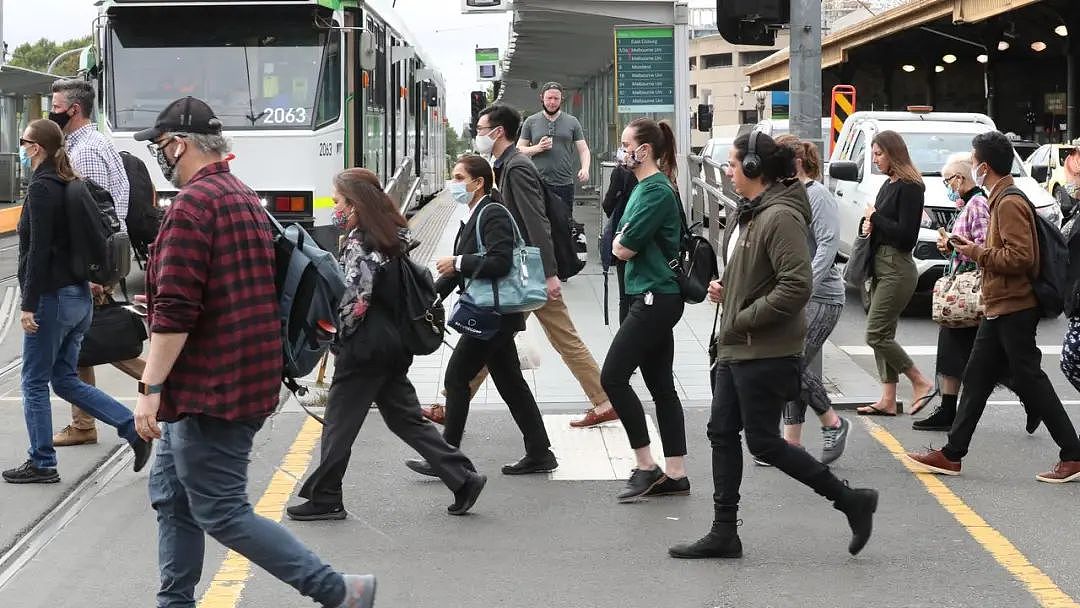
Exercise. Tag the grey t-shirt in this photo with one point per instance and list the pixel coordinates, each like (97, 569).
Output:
(558, 166)
(824, 244)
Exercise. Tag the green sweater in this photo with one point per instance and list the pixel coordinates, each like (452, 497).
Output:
(651, 218)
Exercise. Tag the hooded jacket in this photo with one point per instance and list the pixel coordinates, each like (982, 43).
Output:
(768, 280)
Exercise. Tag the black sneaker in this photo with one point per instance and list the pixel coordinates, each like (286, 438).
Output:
(28, 473)
(641, 482)
(940, 420)
(671, 487)
(316, 511)
(545, 463)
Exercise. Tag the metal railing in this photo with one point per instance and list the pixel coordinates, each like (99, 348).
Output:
(712, 196)
(402, 187)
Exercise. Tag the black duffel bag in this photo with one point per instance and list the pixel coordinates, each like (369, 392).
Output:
(116, 334)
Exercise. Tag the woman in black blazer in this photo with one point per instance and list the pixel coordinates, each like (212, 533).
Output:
(471, 185)
(893, 227)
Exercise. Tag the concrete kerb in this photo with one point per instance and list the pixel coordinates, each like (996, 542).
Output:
(855, 387)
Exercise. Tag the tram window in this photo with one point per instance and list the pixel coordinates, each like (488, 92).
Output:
(329, 105)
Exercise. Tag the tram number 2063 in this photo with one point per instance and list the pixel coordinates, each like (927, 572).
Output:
(285, 116)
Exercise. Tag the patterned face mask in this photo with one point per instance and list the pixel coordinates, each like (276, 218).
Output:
(341, 218)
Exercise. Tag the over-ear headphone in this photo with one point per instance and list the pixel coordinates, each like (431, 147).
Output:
(751, 163)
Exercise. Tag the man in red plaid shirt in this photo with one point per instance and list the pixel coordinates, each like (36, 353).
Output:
(214, 369)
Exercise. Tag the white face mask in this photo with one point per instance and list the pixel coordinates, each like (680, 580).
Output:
(975, 177)
(484, 143)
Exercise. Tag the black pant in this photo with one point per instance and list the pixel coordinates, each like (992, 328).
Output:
(624, 300)
(566, 193)
(751, 395)
(1005, 346)
(500, 356)
(645, 340)
(350, 399)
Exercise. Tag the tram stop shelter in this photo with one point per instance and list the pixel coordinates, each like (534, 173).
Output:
(21, 91)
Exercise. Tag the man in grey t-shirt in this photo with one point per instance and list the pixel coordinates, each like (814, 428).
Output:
(551, 137)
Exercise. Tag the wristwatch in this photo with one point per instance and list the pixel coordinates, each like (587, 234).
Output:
(150, 389)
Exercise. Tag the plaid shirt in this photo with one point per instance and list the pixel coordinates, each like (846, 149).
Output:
(972, 224)
(211, 275)
(96, 159)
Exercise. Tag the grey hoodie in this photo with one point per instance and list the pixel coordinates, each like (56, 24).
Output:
(768, 280)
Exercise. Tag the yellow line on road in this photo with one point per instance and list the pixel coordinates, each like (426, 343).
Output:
(229, 582)
(1046, 592)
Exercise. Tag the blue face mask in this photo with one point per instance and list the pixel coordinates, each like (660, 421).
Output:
(24, 158)
(460, 192)
(953, 195)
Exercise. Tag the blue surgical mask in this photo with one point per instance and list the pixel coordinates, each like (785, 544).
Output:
(952, 194)
(24, 159)
(460, 192)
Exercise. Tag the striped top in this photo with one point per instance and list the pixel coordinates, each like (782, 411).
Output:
(212, 276)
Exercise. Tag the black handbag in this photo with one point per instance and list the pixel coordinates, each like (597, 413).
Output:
(116, 334)
(860, 263)
(479, 322)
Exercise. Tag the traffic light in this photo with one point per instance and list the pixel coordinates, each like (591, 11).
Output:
(704, 117)
(431, 95)
(751, 22)
(479, 101)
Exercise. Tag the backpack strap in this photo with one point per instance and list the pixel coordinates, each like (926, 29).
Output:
(674, 263)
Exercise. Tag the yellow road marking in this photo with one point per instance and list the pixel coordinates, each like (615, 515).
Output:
(224, 591)
(1046, 592)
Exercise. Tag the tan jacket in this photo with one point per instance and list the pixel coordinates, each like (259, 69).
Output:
(1010, 258)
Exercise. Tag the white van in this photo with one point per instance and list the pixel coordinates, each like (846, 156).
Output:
(931, 138)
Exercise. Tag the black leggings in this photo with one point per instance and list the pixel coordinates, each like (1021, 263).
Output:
(645, 340)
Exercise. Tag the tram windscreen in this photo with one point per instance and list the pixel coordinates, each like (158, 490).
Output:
(256, 70)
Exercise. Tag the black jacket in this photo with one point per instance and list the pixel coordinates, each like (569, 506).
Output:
(44, 239)
(497, 234)
(523, 192)
(620, 186)
(899, 211)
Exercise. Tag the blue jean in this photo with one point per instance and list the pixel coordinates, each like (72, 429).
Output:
(51, 356)
(198, 485)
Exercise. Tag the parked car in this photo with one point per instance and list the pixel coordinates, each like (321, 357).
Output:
(931, 138)
(1047, 166)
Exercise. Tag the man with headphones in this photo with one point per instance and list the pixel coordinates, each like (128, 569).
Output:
(759, 343)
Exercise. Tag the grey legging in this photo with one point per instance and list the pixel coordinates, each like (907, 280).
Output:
(821, 319)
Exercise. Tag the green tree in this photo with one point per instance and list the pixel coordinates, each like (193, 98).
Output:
(38, 55)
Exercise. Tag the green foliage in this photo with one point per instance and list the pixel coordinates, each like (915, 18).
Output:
(455, 144)
(38, 55)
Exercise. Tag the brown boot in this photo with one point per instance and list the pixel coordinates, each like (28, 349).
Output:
(70, 435)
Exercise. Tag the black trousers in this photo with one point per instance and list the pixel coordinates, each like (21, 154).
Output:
(1005, 347)
(500, 356)
(350, 399)
(645, 340)
(751, 395)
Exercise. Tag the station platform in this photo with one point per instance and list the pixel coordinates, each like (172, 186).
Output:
(985, 539)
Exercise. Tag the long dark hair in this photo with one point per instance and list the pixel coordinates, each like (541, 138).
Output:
(662, 139)
(373, 211)
(478, 168)
(48, 135)
(900, 163)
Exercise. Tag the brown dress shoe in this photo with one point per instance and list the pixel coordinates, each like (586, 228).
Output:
(592, 418)
(70, 435)
(1064, 471)
(934, 461)
(435, 413)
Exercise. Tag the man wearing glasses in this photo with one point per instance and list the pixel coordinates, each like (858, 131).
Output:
(551, 137)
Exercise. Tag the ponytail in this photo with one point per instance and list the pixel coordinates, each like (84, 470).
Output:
(63, 166)
(667, 160)
(662, 139)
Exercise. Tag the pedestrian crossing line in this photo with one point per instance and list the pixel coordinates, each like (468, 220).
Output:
(231, 578)
(930, 350)
(1041, 586)
(598, 453)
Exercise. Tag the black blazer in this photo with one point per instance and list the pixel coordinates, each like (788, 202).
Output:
(899, 211)
(497, 233)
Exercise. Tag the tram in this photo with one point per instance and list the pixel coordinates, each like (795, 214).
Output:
(304, 88)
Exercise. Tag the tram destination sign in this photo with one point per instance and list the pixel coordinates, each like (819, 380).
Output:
(645, 69)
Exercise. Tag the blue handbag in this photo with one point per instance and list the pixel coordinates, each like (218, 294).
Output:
(523, 289)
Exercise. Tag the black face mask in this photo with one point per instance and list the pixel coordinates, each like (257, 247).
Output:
(60, 118)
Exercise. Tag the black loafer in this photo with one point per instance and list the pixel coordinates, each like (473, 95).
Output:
(466, 496)
(528, 465)
(421, 466)
(316, 511)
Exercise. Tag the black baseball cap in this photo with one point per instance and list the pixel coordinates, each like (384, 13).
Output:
(185, 115)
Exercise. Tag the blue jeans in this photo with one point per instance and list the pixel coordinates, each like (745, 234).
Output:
(51, 355)
(198, 485)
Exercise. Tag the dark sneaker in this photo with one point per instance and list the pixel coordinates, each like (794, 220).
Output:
(316, 511)
(940, 420)
(833, 441)
(465, 498)
(859, 505)
(142, 449)
(1063, 472)
(641, 482)
(1033, 422)
(28, 473)
(544, 463)
(722, 541)
(759, 462)
(421, 466)
(934, 461)
(359, 591)
(671, 487)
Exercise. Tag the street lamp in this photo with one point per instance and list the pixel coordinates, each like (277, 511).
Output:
(57, 59)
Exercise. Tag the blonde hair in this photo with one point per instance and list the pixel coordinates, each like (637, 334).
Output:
(960, 161)
(48, 135)
(805, 152)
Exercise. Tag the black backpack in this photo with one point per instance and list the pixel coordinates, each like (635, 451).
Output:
(564, 235)
(143, 217)
(422, 317)
(1052, 281)
(100, 250)
(695, 263)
